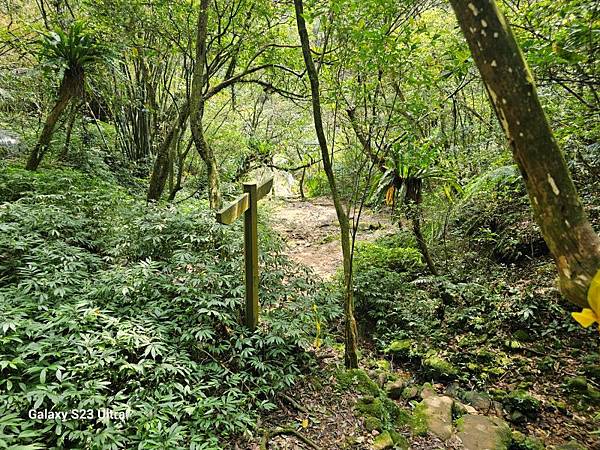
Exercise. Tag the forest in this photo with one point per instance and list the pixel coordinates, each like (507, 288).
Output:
(300, 224)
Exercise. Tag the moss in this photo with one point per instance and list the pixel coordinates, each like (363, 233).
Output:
(521, 442)
(383, 441)
(383, 364)
(372, 423)
(460, 424)
(381, 413)
(520, 401)
(576, 384)
(581, 391)
(400, 442)
(400, 348)
(419, 420)
(410, 392)
(370, 406)
(437, 367)
(357, 380)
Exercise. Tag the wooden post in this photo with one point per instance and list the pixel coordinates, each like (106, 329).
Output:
(251, 255)
(247, 204)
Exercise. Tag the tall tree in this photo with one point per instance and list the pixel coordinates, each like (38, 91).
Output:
(350, 332)
(197, 109)
(72, 52)
(512, 91)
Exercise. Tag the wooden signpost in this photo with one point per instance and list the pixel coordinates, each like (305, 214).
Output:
(247, 204)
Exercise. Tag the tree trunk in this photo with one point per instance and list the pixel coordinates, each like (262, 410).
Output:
(65, 150)
(556, 205)
(350, 332)
(197, 109)
(302, 196)
(160, 169)
(40, 149)
(421, 243)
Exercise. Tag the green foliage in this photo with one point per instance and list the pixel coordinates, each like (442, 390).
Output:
(108, 303)
(495, 215)
(71, 50)
(373, 256)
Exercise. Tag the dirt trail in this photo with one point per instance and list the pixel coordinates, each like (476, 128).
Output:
(311, 231)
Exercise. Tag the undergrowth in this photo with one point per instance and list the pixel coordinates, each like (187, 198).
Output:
(109, 303)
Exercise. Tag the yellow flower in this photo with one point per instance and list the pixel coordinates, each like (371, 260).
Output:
(589, 316)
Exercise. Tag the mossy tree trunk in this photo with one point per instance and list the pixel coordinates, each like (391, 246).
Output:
(350, 332)
(43, 143)
(556, 205)
(160, 170)
(71, 86)
(197, 109)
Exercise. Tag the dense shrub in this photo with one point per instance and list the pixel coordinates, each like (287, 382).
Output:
(108, 303)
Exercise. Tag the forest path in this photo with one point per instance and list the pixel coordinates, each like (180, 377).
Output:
(311, 231)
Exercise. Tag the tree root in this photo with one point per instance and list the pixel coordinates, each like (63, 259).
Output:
(264, 443)
(294, 403)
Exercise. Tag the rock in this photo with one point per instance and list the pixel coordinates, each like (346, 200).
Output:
(478, 400)
(483, 433)
(521, 405)
(372, 423)
(10, 143)
(437, 412)
(394, 389)
(463, 409)
(438, 368)
(522, 442)
(400, 348)
(400, 442)
(410, 392)
(454, 390)
(576, 384)
(571, 445)
(358, 380)
(370, 406)
(383, 441)
(427, 391)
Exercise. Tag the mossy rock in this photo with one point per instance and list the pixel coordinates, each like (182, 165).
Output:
(370, 406)
(400, 442)
(437, 410)
(483, 432)
(523, 442)
(383, 441)
(388, 413)
(576, 384)
(411, 392)
(372, 423)
(402, 348)
(522, 405)
(522, 335)
(418, 421)
(581, 391)
(358, 381)
(394, 389)
(383, 364)
(479, 400)
(439, 368)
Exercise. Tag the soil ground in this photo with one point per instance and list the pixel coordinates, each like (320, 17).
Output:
(310, 230)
